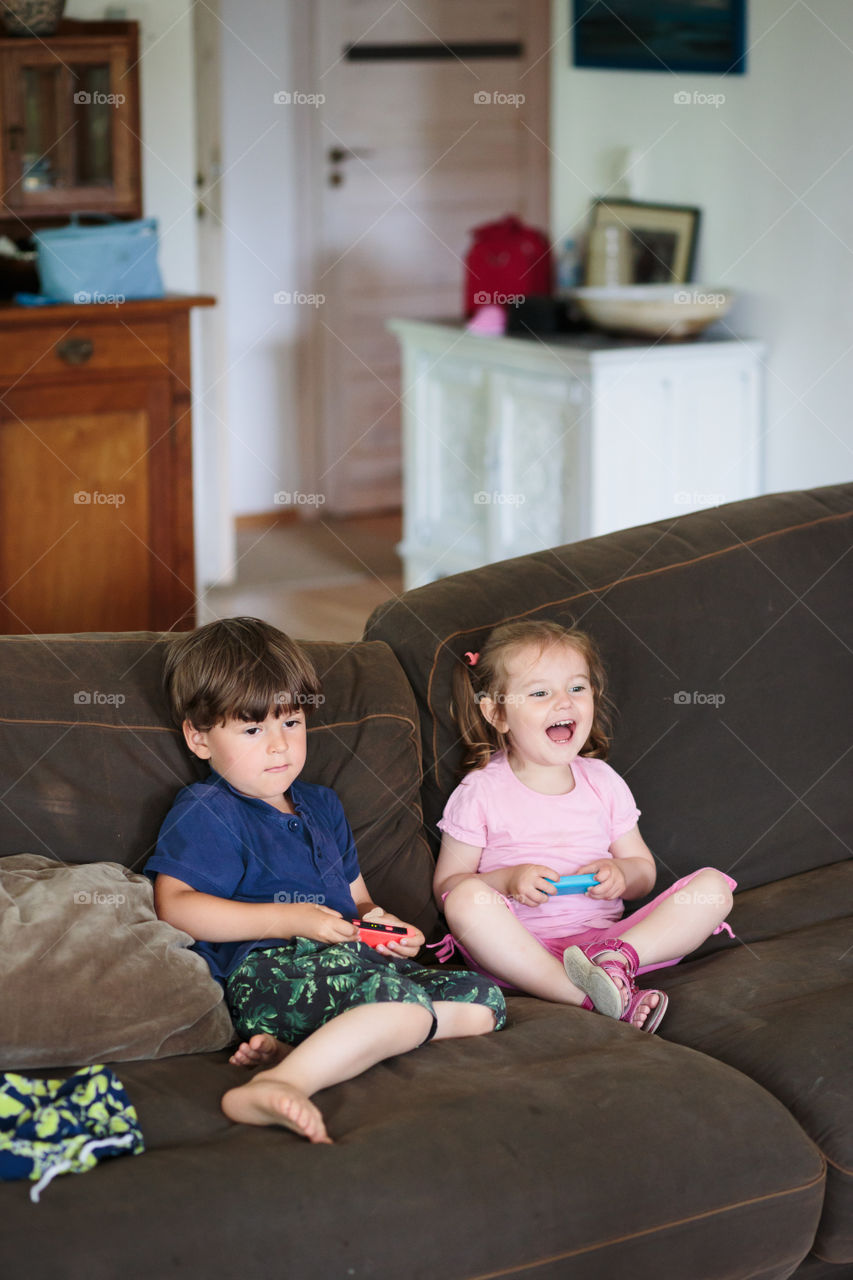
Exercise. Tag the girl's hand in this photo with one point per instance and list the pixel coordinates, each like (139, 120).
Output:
(610, 877)
(529, 885)
(320, 924)
(407, 948)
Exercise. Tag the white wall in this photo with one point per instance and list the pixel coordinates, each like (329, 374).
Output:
(771, 169)
(264, 48)
(167, 125)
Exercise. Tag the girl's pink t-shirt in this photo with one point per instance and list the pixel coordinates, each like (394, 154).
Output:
(497, 813)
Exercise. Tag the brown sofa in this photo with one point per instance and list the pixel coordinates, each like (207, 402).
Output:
(566, 1145)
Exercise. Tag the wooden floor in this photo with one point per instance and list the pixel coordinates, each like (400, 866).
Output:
(317, 580)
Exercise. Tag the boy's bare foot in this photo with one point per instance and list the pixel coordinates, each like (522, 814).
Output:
(261, 1050)
(265, 1100)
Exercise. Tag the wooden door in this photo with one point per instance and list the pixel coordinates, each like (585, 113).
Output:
(88, 509)
(433, 119)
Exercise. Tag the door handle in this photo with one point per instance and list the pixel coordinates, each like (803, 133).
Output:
(338, 154)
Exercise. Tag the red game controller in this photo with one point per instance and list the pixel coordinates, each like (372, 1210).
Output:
(375, 934)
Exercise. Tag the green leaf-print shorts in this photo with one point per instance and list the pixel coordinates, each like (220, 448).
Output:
(291, 990)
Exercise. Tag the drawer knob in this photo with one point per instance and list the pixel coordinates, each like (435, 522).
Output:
(75, 350)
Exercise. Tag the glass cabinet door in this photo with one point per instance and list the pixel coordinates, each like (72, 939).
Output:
(70, 127)
(36, 138)
(91, 135)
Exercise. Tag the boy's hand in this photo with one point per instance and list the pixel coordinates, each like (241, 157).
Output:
(407, 948)
(529, 885)
(610, 877)
(320, 924)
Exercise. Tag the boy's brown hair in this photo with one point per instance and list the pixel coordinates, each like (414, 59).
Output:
(237, 669)
(488, 677)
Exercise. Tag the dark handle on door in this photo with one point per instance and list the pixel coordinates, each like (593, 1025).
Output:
(75, 350)
(337, 155)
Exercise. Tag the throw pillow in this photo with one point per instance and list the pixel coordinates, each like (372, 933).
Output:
(88, 974)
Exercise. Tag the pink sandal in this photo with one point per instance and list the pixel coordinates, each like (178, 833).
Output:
(654, 1016)
(605, 972)
(599, 970)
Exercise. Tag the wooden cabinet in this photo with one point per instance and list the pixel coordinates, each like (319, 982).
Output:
(96, 514)
(512, 445)
(70, 125)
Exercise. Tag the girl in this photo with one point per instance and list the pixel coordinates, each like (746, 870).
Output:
(539, 802)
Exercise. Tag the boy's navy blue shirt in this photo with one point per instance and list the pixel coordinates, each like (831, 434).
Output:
(221, 842)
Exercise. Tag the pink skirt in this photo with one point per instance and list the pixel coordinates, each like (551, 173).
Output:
(556, 946)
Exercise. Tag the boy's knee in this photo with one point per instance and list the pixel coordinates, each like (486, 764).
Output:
(422, 1021)
(400, 1024)
(483, 1019)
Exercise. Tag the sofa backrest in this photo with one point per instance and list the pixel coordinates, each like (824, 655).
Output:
(90, 761)
(727, 635)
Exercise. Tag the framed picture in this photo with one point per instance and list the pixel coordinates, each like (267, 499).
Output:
(660, 35)
(660, 238)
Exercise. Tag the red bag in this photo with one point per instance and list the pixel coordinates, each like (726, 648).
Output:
(506, 263)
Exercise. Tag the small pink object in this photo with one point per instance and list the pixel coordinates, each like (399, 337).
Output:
(489, 322)
(473, 658)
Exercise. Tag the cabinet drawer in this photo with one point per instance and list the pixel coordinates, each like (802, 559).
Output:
(85, 346)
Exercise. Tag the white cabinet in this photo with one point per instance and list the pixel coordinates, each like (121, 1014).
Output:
(512, 445)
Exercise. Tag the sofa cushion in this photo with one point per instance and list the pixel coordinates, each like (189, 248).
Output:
(727, 637)
(566, 1144)
(90, 761)
(88, 972)
(778, 1006)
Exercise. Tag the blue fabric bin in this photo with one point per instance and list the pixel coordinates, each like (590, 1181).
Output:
(106, 263)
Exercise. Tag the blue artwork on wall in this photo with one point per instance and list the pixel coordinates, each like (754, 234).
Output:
(660, 35)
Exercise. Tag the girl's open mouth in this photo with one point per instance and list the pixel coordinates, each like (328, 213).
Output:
(561, 732)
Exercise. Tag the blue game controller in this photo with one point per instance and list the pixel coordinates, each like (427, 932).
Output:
(573, 884)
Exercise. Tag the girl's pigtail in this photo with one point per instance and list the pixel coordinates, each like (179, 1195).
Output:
(478, 738)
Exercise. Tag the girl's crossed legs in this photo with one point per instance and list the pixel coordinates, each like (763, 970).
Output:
(662, 933)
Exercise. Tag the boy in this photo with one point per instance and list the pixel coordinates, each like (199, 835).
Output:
(261, 869)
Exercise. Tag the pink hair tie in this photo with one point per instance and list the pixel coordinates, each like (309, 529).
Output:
(473, 658)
